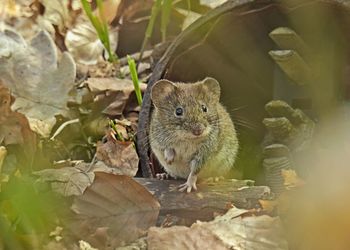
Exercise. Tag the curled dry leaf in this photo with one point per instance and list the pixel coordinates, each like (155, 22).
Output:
(82, 40)
(119, 155)
(67, 181)
(237, 229)
(83, 43)
(33, 75)
(56, 13)
(115, 209)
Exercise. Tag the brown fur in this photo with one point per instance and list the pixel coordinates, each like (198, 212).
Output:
(213, 153)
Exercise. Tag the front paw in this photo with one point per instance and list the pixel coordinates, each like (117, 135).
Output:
(169, 155)
(189, 184)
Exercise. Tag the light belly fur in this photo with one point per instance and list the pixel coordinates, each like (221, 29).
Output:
(180, 166)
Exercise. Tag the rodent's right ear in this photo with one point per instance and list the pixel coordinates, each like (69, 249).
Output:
(161, 90)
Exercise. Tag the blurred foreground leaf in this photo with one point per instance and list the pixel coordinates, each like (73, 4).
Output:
(27, 214)
(113, 210)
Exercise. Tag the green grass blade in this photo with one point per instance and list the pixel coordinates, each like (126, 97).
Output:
(189, 5)
(166, 11)
(87, 8)
(135, 79)
(154, 13)
(100, 10)
(149, 30)
(101, 26)
(118, 135)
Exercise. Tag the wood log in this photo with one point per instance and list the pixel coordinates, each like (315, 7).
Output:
(210, 199)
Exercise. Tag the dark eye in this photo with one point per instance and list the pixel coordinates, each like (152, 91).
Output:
(204, 108)
(179, 111)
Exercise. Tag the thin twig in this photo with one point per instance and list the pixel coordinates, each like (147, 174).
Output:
(63, 125)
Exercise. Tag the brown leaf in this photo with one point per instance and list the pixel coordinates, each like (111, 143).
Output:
(181, 237)
(119, 94)
(113, 84)
(234, 230)
(14, 127)
(119, 205)
(118, 155)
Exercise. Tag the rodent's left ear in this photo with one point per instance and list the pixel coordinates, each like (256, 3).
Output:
(161, 90)
(213, 87)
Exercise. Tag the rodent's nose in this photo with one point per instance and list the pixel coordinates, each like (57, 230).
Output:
(198, 130)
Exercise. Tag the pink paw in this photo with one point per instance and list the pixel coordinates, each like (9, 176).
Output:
(189, 184)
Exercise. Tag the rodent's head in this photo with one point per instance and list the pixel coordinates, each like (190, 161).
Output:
(190, 110)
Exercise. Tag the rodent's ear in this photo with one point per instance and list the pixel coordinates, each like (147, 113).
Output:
(213, 87)
(161, 90)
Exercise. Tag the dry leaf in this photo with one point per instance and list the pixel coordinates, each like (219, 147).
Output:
(102, 69)
(180, 237)
(115, 206)
(14, 127)
(83, 43)
(113, 84)
(119, 155)
(19, 16)
(67, 181)
(291, 179)
(119, 93)
(10, 7)
(234, 230)
(56, 13)
(34, 77)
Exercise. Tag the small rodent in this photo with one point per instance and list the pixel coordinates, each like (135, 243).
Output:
(191, 133)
